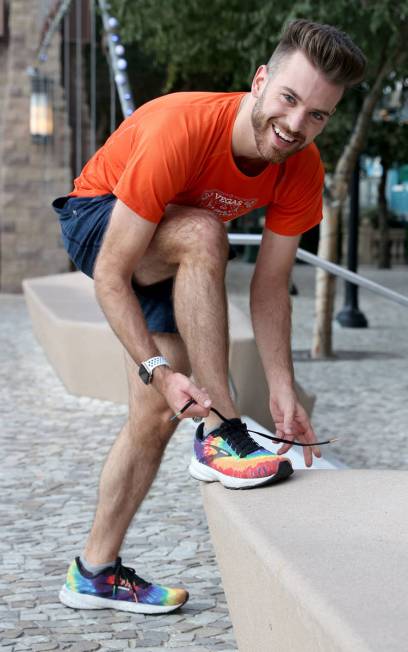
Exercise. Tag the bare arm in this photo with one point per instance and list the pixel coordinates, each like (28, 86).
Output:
(125, 242)
(271, 308)
(271, 316)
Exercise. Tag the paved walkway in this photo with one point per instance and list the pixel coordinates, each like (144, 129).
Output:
(53, 445)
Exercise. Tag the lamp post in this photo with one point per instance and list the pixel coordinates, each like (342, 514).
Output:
(350, 316)
(41, 107)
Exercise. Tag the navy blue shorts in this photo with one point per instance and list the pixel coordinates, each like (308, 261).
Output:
(83, 224)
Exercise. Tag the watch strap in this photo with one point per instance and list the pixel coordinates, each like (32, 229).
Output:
(156, 361)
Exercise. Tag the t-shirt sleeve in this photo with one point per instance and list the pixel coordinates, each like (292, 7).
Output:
(298, 201)
(158, 166)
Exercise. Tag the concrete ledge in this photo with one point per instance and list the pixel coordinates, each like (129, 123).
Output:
(318, 563)
(88, 357)
(73, 331)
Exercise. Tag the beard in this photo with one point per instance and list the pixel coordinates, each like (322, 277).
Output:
(261, 125)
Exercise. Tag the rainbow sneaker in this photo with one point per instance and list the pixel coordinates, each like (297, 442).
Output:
(229, 455)
(117, 587)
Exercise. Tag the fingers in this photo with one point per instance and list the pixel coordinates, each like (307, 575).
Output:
(201, 405)
(288, 422)
(285, 447)
(297, 427)
(308, 452)
(200, 396)
(179, 391)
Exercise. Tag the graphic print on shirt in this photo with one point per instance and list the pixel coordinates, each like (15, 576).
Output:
(225, 205)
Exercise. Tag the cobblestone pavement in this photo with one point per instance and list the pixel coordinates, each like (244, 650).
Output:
(362, 395)
(53, 445)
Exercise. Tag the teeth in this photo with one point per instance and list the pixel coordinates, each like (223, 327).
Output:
(282, 135)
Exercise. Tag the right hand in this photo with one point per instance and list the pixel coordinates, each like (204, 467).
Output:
(177, 389)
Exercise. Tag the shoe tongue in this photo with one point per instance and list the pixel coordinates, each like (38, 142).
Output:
(235, 422)
(236, 432)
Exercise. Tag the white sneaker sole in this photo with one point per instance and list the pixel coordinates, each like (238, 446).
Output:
(85, 601)
(205, 473)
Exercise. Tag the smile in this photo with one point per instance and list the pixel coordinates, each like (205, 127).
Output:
(282, 135)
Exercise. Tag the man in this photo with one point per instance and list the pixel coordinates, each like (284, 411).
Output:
(146, 221)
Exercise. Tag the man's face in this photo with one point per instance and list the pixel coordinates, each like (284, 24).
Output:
(293, 106)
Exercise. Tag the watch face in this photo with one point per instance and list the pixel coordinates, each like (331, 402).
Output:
(145, 375)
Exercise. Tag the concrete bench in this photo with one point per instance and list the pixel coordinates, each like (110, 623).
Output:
(318, 563)
(88, 357)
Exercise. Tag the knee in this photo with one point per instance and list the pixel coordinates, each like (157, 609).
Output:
(152, 432)
(206, 234)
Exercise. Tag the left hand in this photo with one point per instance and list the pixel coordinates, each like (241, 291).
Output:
(292, 422)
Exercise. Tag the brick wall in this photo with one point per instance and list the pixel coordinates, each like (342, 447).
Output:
(31, 175)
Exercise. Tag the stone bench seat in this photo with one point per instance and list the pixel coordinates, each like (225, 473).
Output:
(88, 357)
(318, 563)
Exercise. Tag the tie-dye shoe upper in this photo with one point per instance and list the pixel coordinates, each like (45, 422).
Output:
(230, 450)
(121, 583)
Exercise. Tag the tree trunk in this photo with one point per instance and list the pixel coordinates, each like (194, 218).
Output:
(322, 334)
(384, 258)
(325, 285)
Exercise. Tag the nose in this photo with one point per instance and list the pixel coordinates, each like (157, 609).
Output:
(296, 119)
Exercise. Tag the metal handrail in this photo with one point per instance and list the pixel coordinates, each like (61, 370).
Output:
(332, 268)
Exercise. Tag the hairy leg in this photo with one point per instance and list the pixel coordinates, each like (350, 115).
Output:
(134, 458)
(193, 243)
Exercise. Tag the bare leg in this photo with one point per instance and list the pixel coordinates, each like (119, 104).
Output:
(195, 242)
(192, 244)
(134, 458)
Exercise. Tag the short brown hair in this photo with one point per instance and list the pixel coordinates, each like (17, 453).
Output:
(327, 48)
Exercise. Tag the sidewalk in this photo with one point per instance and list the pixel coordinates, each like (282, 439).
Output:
(53, 445)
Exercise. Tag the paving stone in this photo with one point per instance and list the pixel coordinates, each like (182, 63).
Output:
(36, 631)
(11, 633)
(205, 632)
(8, 642)
(116, 645)
(126, 633)
(187, 626)
(85, 646)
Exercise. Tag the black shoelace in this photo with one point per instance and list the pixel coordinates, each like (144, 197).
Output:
(129, 576)
(235, 433)
(243, 432)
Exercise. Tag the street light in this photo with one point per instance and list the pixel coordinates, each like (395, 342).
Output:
(41, 107)
(350, 316)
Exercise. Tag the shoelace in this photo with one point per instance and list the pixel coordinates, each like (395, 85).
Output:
(231, 424)
(235, 432)
(255, 432)
(129, 575)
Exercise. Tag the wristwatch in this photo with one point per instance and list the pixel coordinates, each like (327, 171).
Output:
(147, 367)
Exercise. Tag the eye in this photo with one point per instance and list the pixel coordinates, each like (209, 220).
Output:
(317, 116)
(289, 98)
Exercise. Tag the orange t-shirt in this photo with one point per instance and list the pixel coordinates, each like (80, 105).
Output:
(177, 150)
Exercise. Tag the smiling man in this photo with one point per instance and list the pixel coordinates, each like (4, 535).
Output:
(146, 220)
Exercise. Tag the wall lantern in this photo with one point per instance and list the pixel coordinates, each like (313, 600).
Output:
(41, 107)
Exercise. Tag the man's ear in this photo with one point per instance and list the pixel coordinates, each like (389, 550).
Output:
(259, 81)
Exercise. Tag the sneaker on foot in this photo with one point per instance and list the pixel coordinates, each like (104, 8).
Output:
(229, 455)
(120, 588)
